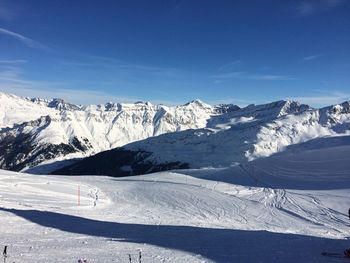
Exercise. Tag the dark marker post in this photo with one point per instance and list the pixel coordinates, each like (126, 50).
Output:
(5, 254)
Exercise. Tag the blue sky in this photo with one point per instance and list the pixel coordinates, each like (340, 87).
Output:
(173, 51)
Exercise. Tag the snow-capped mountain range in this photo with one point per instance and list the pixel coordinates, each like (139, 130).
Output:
(230, 139)
(34, 131)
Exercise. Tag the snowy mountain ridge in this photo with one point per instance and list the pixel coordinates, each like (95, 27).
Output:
(252, 132)
(34, 130)
(230, 139)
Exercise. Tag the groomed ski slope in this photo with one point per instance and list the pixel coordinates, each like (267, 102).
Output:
(289, 207)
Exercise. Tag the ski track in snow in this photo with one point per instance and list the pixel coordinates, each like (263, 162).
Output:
(224, 222)
(289, 207)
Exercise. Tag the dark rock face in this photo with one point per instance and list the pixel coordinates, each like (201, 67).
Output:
(226, 108)
(82, 146)
(18, 149)
(118, 162)
(17, 152)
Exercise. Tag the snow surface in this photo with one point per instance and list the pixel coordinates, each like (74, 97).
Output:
(288, 207)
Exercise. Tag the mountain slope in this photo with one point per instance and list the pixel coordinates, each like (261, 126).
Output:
(282, 208)
(235, 137)
(51, 130)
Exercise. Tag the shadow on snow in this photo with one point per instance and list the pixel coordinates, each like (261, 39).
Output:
(220, 245)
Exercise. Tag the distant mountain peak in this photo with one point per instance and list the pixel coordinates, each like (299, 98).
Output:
(198, 103)
(292, 107)
(60, 104)
(273, 109)
(147, 103)
(341, 108)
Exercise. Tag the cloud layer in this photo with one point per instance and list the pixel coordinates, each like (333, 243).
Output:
(250, 76)
(310, 7)
(25, 40)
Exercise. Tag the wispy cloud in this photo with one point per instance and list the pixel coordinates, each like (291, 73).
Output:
(229, 75)
(13, 61)
(11, 77)
(12, 81)
(235, 101)
(271, 77)
(250, 76)
(121, 67)
(229, 65)
(305, 8)
(25, 40)
(310, 7)
(321, 99)
(113, 74)
(324, 98)
(312, 57)
(81, 97)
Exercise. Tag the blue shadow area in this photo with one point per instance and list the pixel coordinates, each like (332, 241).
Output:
(318, 164)
(218, 245)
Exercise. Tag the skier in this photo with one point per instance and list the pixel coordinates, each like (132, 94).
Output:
(349, 213)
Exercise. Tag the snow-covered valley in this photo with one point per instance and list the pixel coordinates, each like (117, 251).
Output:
(289, 207)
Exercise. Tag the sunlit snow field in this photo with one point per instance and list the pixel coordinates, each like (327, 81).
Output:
(289, 207)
